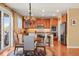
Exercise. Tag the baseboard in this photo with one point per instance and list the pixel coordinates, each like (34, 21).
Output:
(72, 46)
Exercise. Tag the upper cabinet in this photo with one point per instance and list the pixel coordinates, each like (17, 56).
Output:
(44, 23)
(54, 21)
(38, 23)
(64, 18)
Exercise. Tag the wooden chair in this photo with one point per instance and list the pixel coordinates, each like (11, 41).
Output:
(16, 42)
(41, 44)
(29, 44)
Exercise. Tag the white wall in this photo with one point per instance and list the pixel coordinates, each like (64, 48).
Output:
(73, 30)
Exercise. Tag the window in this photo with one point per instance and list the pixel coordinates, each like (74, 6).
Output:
(6, 28)
(19, 22)
(19, 28)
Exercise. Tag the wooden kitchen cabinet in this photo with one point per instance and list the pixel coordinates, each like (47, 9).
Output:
(43, 22)
(54, 21)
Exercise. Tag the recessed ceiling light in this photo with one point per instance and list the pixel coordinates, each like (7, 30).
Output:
(57, 10)
(43, 10)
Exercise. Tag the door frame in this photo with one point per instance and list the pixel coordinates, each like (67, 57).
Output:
(59, 34)
(65, 38)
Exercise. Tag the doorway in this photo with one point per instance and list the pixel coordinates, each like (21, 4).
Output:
(63, 31)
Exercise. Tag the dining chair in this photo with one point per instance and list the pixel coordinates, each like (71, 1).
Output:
(29, 45)
(40, 37)
(16, 42)
(41, 44)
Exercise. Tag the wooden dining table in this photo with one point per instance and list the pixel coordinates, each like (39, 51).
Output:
(37, 40)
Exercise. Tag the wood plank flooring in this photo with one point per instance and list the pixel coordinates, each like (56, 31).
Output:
(57, 50)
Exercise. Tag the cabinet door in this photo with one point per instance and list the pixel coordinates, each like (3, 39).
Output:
(47, 23)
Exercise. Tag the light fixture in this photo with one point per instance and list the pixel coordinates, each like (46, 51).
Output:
(57, 10)
(28, 22)
(43, 10)
(29, 11)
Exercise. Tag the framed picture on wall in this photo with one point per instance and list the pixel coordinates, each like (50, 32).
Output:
(74, 21)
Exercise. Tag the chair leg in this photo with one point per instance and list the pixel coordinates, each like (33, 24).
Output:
(14, 50)
(23, 50)
(45, 50)
(35, 51)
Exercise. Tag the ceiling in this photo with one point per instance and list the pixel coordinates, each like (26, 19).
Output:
(42, 9)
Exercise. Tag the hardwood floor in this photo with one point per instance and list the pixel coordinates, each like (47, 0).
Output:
(57, 50)
(61, 50)
(7, 51)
